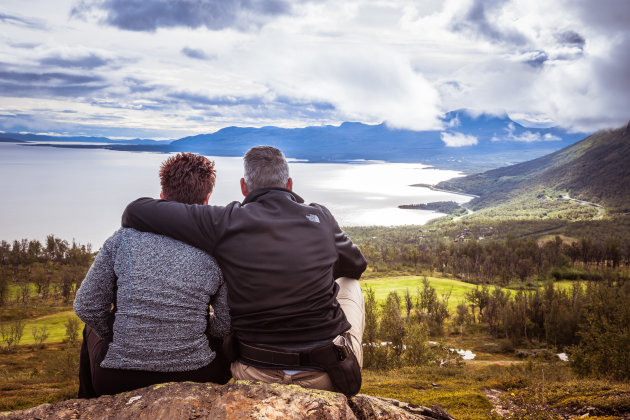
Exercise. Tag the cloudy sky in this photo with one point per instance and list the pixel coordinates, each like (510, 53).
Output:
(171, 68)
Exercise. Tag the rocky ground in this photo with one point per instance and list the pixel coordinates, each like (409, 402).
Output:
(236, 400)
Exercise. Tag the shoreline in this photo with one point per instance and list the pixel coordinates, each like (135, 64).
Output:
(432, 188)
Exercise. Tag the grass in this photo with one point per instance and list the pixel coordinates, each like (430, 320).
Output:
(383, 286)
(30, 313)
(534, 390)
(51, 317)
(55, 324)
(452, 388)
(33, 376)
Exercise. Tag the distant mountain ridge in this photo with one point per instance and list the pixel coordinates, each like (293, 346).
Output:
(76, 139)
(595, 169)
(490, 142)
(499, 141)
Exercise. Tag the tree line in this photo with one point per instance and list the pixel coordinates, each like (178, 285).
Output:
(590, 321)
(499, 261)
(54, 250)
(49, 273)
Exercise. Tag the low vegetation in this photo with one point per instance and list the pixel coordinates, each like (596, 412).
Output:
(532, 389)
(572, 298)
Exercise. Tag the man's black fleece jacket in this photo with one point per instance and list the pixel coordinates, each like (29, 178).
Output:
(279, 258)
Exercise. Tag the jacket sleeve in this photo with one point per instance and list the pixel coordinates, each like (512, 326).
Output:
(350, 261)
(93, 301)
(196, 225)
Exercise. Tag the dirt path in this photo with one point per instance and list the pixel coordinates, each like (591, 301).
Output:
(541, 232)
(468, 213)
(493, 362)
(68, 312)
(502, 407)
(599, 214)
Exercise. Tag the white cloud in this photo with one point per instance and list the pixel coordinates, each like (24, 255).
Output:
(458, 139)
(399, 61)
(370, 85)
(525, 136)
(551, 137)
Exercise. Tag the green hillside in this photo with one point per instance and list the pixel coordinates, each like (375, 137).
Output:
(595, 169)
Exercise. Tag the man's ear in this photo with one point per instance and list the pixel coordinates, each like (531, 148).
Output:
(244, 187)
(162, 195)
(207, 198)
(290, 184)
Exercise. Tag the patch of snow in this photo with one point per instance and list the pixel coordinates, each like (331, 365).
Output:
(466, 354)
(563, 356)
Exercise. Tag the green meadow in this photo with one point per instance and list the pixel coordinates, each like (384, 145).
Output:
(443, 286)
(54, 324)
(385, 285)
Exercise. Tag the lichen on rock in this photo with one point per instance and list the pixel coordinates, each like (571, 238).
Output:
(236, 400)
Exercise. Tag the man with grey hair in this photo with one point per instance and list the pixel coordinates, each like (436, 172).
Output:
(265, 166)
(292, 322)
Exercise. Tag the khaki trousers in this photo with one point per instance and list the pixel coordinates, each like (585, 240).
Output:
(350, 299)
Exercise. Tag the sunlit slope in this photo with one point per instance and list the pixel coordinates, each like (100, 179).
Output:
(595, 169)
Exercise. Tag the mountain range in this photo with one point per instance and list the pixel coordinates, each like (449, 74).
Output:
(595, 169)
(469, 142)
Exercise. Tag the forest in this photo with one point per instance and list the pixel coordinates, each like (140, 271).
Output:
(39, 280)
(49, 272)
(590, 321)
(490, 254)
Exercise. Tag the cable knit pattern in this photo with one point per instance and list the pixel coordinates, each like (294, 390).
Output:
(164, 289)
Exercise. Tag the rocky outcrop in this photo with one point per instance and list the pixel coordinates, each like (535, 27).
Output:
(236, 400)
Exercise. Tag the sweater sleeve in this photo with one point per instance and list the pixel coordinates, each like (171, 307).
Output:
(93, 301)
(219, 322)
(196, 225)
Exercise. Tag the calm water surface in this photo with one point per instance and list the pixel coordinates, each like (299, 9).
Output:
(81, 193)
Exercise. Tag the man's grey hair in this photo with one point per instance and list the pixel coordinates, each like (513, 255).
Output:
(265, 166)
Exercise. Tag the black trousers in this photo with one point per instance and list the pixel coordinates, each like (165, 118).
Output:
(95, 381)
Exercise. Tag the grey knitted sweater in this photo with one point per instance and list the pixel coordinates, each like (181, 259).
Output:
(164, 288)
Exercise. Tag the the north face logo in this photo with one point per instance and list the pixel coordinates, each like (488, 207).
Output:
(312, 218)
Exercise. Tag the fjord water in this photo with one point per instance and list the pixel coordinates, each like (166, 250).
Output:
(81, 193)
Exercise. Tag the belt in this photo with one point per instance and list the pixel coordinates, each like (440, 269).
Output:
(267, 357)
(273, 358)
(335, 358)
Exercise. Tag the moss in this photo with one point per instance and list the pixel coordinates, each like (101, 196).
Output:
(609, 403)
(328, 396)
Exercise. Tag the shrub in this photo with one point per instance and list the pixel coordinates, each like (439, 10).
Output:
(392, 327)
(605, 334)
(506, 346)
(11, 334)
(371, 329)
(64, 364)
(417, 352)
(40, 334)
(72, 330)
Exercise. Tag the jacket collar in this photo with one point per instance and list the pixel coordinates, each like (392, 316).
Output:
(259, 192)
